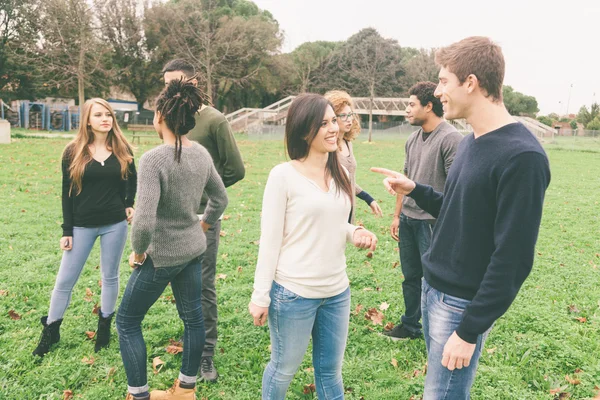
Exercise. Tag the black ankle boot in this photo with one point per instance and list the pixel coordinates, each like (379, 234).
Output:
(103, 332)
(50, 335)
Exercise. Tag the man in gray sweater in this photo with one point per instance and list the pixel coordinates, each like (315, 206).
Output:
(429, 154)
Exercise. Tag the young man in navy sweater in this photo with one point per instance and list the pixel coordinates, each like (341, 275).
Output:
(488, 217)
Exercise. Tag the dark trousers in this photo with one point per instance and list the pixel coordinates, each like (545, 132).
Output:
(415, 237)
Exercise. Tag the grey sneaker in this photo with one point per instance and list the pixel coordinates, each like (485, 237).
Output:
(401, 333)
(208, 372)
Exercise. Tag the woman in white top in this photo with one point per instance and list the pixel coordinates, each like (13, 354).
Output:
(300, 281)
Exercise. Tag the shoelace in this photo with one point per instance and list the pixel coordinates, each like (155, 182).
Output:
(206, 365)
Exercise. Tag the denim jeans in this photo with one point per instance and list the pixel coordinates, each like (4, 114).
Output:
(292, 321)
(112, 243)
(145, 286)
(442, 314)
(415, 236)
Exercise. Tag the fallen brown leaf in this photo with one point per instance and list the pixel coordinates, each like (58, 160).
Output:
(13, 315)
(395, 264)
(223, 234)
(491, 351)
(96, 309)
(157, 365)
(374, 316)
(226, 217)
(573, 381)
(90, 334)
(389, 326)
(174, 349)
(583, 320)
(67, 394)
(89, 361)
(239, 269)
(573, 309)
(308, 389)
(384, 306)
(3, 292)
(370, 254)
(394, 362)
(111, 372)
(358, 309)
(100, 282)
(221, 276)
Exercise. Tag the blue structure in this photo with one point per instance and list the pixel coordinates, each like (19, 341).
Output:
(51, 117)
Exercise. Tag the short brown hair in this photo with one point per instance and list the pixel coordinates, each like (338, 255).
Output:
(475, 55)
(340, 99)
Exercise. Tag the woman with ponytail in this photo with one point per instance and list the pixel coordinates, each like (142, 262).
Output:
(98, 189)
(168, 240)
(300, 283)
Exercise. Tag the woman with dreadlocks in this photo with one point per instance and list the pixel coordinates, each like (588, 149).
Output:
(168, 240)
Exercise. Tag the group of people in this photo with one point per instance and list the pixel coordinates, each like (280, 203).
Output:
(466, 219)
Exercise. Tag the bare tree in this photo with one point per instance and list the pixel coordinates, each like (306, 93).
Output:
(137, 61)
(367, 64)
(227, 49)
(68, 51)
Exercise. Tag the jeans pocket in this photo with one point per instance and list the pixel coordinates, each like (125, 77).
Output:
(162, 273)
(286, 296)
(453, 303)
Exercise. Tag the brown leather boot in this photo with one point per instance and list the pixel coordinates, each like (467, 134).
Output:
(176, 392)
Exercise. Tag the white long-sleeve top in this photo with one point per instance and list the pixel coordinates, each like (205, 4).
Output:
(303, 238)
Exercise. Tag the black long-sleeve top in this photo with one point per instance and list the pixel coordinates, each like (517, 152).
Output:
(487, 225)
(104, 195)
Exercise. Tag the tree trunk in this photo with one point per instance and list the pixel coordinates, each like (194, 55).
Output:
(371, 96)
(81, 73)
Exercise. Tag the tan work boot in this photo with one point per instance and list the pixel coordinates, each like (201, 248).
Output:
(131, 397)
(176, 392)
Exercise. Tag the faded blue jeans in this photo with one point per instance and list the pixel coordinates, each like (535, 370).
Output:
(442, 314)
(112, 243)
(292, 321)
(146, 284)
(415, 237)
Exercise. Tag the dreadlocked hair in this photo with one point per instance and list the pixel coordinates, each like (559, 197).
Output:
(177, 104)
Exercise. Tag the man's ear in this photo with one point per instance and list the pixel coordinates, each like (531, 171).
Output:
(472, 83)
(428, 107)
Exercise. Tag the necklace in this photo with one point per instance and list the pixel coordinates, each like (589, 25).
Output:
(101, 162)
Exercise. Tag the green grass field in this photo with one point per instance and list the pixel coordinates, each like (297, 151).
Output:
(546, 347)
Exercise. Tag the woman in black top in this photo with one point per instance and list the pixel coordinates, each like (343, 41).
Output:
(98, 189)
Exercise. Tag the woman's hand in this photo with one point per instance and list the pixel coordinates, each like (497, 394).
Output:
(66, 242)
(129, 211)
(364, 239)
(376, 209)
(136, 260)
(259, 314)
(205, 226)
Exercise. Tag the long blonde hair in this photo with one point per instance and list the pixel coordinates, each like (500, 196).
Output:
(340, 99)
(78, 152)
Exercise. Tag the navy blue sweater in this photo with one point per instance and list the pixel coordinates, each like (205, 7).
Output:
(487, 225)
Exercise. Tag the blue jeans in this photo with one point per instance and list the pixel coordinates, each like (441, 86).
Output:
(112, 243)
(145, 286)
(292, 321)
(415, 236)
(442, 314)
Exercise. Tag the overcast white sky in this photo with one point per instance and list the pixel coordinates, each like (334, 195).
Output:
(548, 45)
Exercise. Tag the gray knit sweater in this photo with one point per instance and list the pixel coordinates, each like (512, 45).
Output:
(166, 224)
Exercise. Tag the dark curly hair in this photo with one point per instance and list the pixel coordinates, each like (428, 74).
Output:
(177, 104)
(425, 93)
